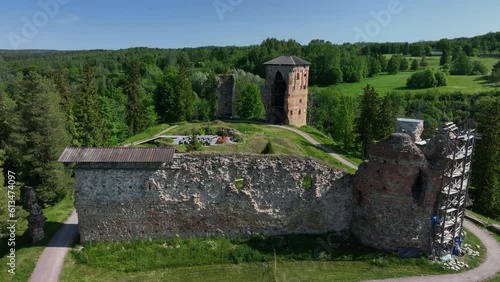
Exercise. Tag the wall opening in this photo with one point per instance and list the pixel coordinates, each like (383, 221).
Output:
(278, 97)
(418, 189)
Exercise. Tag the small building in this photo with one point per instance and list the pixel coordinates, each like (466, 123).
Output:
(286, 90)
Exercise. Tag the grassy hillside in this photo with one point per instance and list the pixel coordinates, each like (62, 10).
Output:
(254, 138)
(385, 83)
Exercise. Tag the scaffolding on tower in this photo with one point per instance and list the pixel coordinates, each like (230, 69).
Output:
(447, 225)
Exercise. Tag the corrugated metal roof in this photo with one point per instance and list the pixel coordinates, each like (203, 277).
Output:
(288, 61)
(117, 155)
(409, 120)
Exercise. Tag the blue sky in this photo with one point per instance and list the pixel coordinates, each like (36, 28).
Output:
(112, 24)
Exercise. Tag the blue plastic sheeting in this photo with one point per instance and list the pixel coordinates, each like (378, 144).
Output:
(409, 252)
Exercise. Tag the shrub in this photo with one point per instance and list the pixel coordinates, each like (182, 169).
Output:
(195, 145)
(479, 68)
(422, 79)
(268, 150)
(441, 78)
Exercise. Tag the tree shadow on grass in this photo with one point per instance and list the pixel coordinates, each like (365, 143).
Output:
(307, 247)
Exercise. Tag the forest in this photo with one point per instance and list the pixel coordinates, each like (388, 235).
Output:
(53, 99)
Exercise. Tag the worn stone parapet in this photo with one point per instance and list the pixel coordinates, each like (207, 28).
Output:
(204, 195)
(413, 127)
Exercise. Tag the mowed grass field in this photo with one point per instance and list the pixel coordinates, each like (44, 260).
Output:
(219, 259)
(385, 83)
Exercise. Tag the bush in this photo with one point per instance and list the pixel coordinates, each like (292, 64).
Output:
(245, 253)
(441, 78)
(268, 150)
(195, 145)
(422, 79)
(479, 68)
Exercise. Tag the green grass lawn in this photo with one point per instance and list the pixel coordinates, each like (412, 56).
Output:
(219, 259)
(27, 253)
(497, 237)
(385, 83)
(328, 142)
(255, 138)
(150, 132)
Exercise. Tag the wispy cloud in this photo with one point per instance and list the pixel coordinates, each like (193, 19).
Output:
(68, 19)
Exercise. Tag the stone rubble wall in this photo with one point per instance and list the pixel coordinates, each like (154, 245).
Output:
(227, 96)
(198, 196)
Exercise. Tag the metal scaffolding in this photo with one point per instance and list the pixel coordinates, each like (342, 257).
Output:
(448, 223)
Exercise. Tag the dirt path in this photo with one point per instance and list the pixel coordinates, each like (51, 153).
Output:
(319, 145)
(166, 130)
(50, 263)
(487, 269)
(156, 136)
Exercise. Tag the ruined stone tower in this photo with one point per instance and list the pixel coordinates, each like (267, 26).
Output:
(227, 96)
(286, 90)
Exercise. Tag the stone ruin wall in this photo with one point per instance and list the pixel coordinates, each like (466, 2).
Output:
(396, 193)
(227, 96)
(197, 196)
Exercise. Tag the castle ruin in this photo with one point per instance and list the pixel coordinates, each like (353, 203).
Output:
(127, 194)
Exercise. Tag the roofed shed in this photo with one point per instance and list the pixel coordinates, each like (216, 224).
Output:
(117, 155)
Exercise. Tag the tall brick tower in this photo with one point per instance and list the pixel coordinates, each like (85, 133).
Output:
(286, 90)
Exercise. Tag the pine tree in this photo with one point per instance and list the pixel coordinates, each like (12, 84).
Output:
(90, 124)
(366, 122)
(386, 118)
(67, 100)
(210, 93)
(136, 112)
(4, 124)
(41, 138)
(184, 95)
(486, 173)
(415, 65)
(344, 118)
